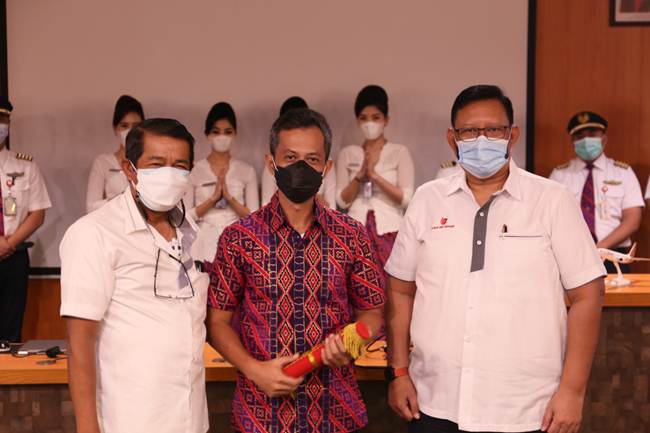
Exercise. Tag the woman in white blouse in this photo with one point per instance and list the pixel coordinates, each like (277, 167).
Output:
(106, 179)
(375, 180)
(327, 191)
(225, 188)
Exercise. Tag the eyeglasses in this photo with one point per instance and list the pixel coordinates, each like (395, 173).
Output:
(155, 277)
(490, 132)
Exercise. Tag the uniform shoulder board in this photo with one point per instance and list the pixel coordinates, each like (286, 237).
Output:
(620, 164)
(24, 156)
(448, 164)
(563, 166)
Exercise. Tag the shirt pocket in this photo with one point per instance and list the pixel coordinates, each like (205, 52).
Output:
(203, 191)
(612, 200)
(19, 191)
(525, 268)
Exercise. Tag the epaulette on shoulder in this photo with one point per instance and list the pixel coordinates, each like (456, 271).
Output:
(621, 164)
(24, 157)
(563, 166)
(448, 164)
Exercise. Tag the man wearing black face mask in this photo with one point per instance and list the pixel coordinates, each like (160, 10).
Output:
(298, 272)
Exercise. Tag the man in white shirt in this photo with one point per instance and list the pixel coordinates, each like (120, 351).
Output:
(608, 191)
(479, 272)
(133, 300)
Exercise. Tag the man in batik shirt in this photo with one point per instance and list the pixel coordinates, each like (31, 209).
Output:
(297, 272)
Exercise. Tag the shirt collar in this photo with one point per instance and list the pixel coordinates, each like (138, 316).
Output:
(512, 185)
(598, 163)
(278, 218)
(134, 221)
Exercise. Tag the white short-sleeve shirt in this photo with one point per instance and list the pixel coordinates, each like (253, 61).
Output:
(327, 188)
(150, 367)
(489, 318)
(21, 179)
(105, 181)
(616, 187)
(396, 166)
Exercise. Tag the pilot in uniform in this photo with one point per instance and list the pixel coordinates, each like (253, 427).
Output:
(22, 211)
(608, 191)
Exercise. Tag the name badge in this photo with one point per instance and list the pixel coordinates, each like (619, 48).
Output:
(612, 182)
(9, 206)
(114, 170)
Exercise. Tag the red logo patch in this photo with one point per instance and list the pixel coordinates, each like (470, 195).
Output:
(443, 224)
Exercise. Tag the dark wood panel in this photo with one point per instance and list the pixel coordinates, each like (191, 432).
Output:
(42, 319)
(584, 64)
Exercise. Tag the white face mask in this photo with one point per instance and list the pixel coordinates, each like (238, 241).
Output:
(161, 189)
(221, 143)
(4, 132)
(372, 130)
(122, 136)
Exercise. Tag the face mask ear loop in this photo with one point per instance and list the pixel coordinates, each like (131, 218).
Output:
(138, 202)
(171, 223)
(507, 150)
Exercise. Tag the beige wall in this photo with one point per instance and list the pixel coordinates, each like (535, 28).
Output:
(70, 59)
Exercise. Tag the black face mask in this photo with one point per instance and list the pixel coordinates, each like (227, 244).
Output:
(298, 181)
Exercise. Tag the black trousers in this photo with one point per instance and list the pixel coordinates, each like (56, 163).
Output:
(427, 424)
(14, 276)
(611, 269)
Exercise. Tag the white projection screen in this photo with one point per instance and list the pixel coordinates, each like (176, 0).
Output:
(69, 60)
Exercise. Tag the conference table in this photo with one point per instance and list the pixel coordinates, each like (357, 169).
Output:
(618, 396)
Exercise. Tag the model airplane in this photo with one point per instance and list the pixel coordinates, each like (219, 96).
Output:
(618, 258)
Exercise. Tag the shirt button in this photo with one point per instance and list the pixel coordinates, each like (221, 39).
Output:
(467, 339)
(482, 213)
(479, 243)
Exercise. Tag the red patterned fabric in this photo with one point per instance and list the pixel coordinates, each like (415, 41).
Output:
(292, 292)
(382, 244)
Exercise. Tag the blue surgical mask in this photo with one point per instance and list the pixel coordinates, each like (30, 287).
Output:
(482, 157)
(588, 148)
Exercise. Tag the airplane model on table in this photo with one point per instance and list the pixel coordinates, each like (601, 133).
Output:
(618, 258)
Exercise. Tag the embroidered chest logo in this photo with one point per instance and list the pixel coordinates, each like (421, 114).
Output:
(443, 224)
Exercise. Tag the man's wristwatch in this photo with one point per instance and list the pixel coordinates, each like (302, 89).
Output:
(391, 373)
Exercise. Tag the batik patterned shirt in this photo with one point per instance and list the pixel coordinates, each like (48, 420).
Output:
(291, 292)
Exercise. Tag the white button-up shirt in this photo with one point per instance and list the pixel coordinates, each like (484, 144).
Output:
(615, 188)
(150, 368)
(105, 181)
(241, 181)
(489, 319)
(327, 188)
(27, 188)
(396, 166)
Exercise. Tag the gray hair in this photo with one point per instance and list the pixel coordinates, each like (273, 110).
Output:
(297, 119)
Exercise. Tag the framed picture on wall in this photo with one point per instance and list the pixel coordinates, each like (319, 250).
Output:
(629, 13)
